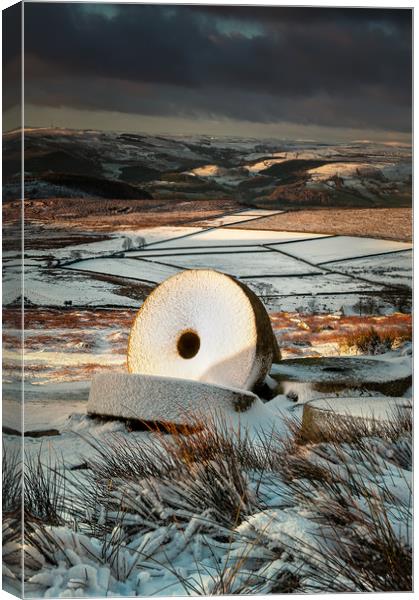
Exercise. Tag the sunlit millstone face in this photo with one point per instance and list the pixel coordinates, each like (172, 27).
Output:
(203, 325)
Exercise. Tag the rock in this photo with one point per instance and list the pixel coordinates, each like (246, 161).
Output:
(334, 374)
(36, 433)
(162, 399)
(320, 415)
(205, 326)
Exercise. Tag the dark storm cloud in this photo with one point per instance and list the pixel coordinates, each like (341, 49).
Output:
(12, 55)
(308, 16)
(349, 67)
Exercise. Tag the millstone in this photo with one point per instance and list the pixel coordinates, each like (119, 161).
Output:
(162, 399)
(205, 326)
(333, 374)
(321, 416)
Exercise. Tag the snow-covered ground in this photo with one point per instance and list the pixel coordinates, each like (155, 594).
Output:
(290, 271)
(179, 549)
(242, 264)
(182, 550)
(393, 268)
(294, 267)
(320, 251)
(142, 270)
(222, 236)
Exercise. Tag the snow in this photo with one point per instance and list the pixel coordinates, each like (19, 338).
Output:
(279, 532)
(266, 259)
(316, 283)
(344, 170)
(382, 368)
(155, 559)
(244, 264)
(260, 166)
(383, 409)
(401, 171)
(389, 269)
(40, 415)
(331, 249)
(131, 268)
(53, 287)
(239, 237)
(163, 399)
(155, 251)
(236, 218)
(260, 212)
(208, 171)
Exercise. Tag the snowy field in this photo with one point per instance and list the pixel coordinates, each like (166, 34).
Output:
(177, 535)
(292, 267)
(289, 271)
(343, 248)
(393, 268)
(251, 530)
(286, 269)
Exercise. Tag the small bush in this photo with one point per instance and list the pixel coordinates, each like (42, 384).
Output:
(372, 341)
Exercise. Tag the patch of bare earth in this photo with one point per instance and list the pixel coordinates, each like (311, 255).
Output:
(103, 215)
(101, 333)
(385, 223)
(307, 335)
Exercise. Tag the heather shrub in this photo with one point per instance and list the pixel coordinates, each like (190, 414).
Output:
(373, 341)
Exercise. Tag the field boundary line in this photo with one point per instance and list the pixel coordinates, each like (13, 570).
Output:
(303, 260)
(273, 276)
(210, 228)
(262, 251)
(157, 262)
(109, 275)
(339, 260)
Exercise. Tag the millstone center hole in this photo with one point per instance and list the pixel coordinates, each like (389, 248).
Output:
(188, 344)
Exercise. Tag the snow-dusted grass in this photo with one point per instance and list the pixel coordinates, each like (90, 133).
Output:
(229, 236)
(167, 253)
(330, 249)
(392, 269)
(242, 264)
(319, 283)
(47, 287)
(216, 512)
(127, 267)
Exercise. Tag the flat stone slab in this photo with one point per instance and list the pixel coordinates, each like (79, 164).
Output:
(163, 400)
(321, 415)
(332, 374)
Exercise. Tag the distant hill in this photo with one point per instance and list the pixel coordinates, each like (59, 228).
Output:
(268, 173)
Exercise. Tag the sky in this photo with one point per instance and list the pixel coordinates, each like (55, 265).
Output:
(302, 73)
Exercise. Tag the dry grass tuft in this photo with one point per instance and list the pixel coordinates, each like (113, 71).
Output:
(372, 341)
(147, 501)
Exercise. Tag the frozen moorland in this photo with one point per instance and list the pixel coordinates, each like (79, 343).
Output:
(244, 505)
(250, 503)
(265, 173)
(288, 270)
